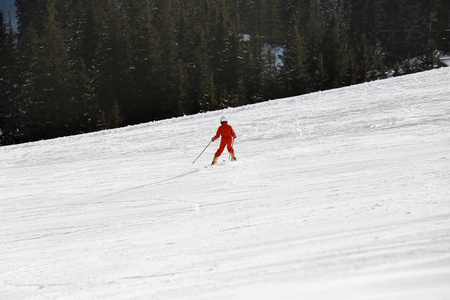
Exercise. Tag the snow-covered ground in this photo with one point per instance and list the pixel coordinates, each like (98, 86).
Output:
(445, 60)
(343, 194)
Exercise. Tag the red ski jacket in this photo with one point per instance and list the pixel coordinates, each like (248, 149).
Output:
(226, 131)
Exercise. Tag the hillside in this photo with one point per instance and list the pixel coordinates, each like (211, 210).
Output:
(342, 194)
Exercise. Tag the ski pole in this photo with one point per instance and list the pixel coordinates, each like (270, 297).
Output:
(202, 151)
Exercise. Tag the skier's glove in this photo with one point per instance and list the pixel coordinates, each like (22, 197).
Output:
(212, 140)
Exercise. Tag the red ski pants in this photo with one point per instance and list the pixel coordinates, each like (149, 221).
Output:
(225, 142)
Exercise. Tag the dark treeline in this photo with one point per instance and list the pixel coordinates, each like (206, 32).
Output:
(76, 66)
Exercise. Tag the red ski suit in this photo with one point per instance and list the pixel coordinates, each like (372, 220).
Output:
(227, 133)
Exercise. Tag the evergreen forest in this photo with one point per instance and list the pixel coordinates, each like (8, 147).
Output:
(77, 66)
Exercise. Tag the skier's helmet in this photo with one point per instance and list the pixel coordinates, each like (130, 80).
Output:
(223, 119)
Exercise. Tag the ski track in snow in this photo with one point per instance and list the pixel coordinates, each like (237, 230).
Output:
(341, 194)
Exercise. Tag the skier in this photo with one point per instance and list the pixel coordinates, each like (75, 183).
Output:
(228, 136)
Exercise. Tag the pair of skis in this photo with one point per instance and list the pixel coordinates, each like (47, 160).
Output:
(229, 157)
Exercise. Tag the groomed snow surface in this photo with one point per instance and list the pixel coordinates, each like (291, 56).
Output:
(343, 194)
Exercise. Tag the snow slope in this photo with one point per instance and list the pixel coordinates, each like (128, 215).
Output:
(445, 60)
(342, 194)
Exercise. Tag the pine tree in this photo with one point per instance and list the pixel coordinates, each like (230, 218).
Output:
(313, 31)
(226, 53)
(364, 61)
(112, 119)
(271, 89)
(30, 14)
(220, 49)
(335, 58)
(328, 10)
(252, 77)
(142, 42)
(294, 71)
(201, 77)
(113, 59)
(362, 21)
(440, 24)
(271, 22)
(403, 28)
(233, 67)
(204, 97)
(92, 22)
(85, 109)
(171, 72)
(9, 85)
(46, 95)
